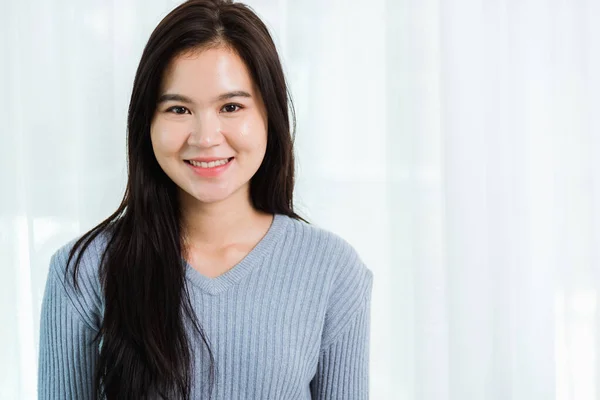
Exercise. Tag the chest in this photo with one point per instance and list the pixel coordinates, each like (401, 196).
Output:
(215, 263)
(264, 331)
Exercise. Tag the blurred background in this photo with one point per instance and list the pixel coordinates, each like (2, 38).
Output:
(455, 144)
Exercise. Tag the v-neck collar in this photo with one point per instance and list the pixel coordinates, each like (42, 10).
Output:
(250, 262)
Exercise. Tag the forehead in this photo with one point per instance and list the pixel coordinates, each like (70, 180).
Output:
(206, 72)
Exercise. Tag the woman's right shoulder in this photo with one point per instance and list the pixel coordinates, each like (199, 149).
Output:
(88, 270)
(87, 297)
(90, 259)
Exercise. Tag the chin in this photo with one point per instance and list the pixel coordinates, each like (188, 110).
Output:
(208, 195)
(211, 192)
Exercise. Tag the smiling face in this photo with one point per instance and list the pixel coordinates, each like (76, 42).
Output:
(209, 107)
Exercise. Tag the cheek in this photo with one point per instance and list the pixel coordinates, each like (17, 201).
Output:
(245, 129)
(248, 133)
(167, 140)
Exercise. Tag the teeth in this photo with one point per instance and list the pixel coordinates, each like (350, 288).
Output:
(209, 164)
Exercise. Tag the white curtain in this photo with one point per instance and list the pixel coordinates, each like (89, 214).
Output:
(454, 143)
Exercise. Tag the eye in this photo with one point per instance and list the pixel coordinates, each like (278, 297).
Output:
(178, 110)
(229, 108)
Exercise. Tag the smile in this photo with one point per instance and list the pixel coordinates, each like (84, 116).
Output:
(211, 164)
(209, 170)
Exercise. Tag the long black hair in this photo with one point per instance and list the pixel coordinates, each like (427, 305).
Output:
(145, 348)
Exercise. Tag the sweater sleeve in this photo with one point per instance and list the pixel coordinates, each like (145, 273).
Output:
(343, 366)
(67, 354)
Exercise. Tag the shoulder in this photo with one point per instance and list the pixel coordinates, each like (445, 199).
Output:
(90, 257)
(340, 257)
(87, 296)
(343, 274)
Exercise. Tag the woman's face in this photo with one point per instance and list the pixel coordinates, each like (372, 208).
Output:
(209, 107)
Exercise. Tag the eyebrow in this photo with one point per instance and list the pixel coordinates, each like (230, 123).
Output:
(184, 99)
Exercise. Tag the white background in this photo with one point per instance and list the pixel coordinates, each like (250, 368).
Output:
(454, 143)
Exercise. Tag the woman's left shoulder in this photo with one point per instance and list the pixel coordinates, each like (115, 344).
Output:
(337, 252)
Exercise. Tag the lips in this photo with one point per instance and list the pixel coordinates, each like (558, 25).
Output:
(209, 159)
(197, 162)
(210, 172)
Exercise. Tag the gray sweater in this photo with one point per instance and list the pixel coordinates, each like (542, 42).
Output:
(290, 321)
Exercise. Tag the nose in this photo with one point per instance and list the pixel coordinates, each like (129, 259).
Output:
(206, 131)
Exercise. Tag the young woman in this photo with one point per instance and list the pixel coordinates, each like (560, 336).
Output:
(204, 283)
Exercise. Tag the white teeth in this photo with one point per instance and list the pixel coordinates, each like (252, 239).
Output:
(209, 164)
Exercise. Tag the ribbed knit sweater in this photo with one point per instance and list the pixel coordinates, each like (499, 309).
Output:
(290, 321)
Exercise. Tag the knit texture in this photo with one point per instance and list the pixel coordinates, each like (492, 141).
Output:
(290, 321)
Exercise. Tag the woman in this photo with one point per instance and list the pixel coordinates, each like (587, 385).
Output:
(205, 283)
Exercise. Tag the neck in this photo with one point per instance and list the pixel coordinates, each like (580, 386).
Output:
(218, 225)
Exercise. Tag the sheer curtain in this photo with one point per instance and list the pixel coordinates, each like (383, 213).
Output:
(453, 143)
